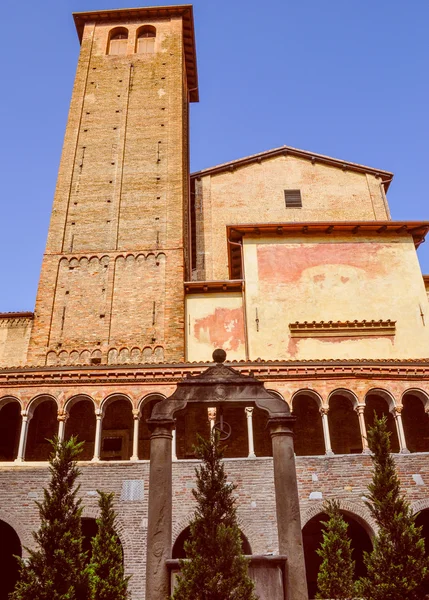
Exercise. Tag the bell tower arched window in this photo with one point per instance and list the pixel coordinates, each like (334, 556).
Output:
(118, 41)
(146, 40)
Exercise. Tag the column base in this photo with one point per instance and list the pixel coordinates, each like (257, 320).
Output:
(404, 451)
(134, 458)
(19, 460)
(252, 455)
(366, 451)
(95, 459)
(330, 453)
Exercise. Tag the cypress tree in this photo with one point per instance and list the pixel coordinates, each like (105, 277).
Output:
(106, 569)
(215, 568)
(55, 570)
(397, 566)
(335, 578)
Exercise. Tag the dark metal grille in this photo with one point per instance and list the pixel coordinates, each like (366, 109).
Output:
(293, 199)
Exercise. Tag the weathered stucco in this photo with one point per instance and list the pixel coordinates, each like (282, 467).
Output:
(215, 321)
(334, 279)
(255, 194)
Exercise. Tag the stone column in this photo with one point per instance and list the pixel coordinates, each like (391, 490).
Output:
(360, 409)
(159, 529)
(136, 417)
(324, 412)
(174, 445)
(287, 506)
(211, 412)
(62, 418)
(249, 416)
(26, 418)
(400, 429)
(97, 443)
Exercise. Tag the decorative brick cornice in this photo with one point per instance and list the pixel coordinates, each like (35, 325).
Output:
(414, 369)
(342, 328)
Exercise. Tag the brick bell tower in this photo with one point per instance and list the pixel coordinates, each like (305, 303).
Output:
(111, 284)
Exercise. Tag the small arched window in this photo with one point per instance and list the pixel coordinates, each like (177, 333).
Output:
(146, 40)
(118, 41)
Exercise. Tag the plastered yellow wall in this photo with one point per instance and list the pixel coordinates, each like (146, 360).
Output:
(214, 321)
(255, 194)
(334, 278)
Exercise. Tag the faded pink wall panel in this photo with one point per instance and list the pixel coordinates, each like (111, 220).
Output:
(286, 263)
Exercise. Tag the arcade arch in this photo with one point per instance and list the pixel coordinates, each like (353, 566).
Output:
(43, 426)
(382, 404)
(309, 436)
(312, 538)
(416, 420)
(80, 422)
(10, 546)
(179, 549)
(10, 428)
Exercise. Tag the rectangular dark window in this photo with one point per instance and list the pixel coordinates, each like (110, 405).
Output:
(293, 199)
(112, 444)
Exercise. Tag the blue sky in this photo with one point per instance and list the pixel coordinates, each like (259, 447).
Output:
(346, 79)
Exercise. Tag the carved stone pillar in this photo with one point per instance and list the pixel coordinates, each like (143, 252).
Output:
(249, 417)
(324, 412)
(360, 409)
(26, 418)
(97, 443)
(287, 506)
(136, 422)
(159, 510)
(400, 429)
(62, 418)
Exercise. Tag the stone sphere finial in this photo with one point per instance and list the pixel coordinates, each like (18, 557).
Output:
(219, 355)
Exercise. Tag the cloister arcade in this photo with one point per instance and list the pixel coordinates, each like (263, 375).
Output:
(116, 429)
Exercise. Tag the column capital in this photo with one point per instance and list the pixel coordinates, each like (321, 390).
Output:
(360, 409)
(136, 413)
(324, 410)
(161, 428)
(249, 411)
(397, 410)
(211, 413)
(63, 416)
(98, 414)
(281, 425)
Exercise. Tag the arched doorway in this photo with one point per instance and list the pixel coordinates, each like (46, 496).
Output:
(308, 429)
(312, 538)
(10, 546)
(10, 428)
(81, 423)
(179, 544)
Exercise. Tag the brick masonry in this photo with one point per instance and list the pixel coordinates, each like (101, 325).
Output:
(342, 477)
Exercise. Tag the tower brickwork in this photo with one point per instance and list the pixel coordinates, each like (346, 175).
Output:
(116, 235)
